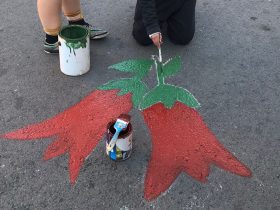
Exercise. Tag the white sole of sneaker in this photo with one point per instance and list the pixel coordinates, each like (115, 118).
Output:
(101, 36)
(51, 53)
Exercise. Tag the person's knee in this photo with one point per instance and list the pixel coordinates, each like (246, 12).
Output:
(140, 35)
(181, 39)
(141, 38)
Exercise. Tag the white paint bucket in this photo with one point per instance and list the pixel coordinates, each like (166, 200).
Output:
(74, 50)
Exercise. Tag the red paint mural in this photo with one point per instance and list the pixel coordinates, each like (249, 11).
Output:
(79, 129)
(181, 141)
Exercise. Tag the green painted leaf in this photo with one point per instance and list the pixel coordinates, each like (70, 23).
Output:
(158, 94)
(187, 98)
(116, 84)
(133, 85)
(139, 67)
(172, 67)
(168, 95)
(123, 92)
(139, 90)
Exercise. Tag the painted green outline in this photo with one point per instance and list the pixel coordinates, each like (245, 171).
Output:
(127, 85)
(166, 93)
(172, 67)
(142, 98)
(138, 67)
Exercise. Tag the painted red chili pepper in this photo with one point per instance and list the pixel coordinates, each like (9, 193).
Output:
(182, 142)
(79, 129)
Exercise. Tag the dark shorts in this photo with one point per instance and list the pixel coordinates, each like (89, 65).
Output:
(180, 25)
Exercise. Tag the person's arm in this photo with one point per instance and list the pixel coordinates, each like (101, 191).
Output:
(150, 18)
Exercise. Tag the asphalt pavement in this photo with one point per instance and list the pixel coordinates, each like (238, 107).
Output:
(231, 66)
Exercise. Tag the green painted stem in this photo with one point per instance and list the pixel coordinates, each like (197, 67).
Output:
(160, 73)
(144, 98)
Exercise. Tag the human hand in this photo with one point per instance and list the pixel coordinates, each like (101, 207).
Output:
(157, 39)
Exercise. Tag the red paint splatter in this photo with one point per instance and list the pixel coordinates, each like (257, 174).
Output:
(79, 129)
(181, 142)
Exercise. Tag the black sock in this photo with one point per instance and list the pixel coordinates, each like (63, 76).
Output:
(81, 22)
(51, 39)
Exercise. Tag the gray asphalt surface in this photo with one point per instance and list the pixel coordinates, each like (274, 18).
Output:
(231, 66)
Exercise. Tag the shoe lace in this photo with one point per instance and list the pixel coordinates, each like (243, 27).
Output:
(87, 25)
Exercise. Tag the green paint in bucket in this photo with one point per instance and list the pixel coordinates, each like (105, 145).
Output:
(75, 36)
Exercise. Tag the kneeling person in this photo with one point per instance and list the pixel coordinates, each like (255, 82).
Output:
(151, 14)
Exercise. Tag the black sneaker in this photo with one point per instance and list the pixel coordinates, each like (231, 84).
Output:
(95, 32)
(51, 48)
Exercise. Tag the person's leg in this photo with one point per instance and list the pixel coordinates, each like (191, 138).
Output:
(50, 15)
(72, 10)
(139, 31)
(181, 25)
(140, 35)
(73, 13)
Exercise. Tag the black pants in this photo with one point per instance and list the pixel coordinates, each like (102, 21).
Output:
(180, 25)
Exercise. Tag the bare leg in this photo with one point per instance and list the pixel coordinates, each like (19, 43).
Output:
(72, 10)
(50, 15)
(73, 13)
